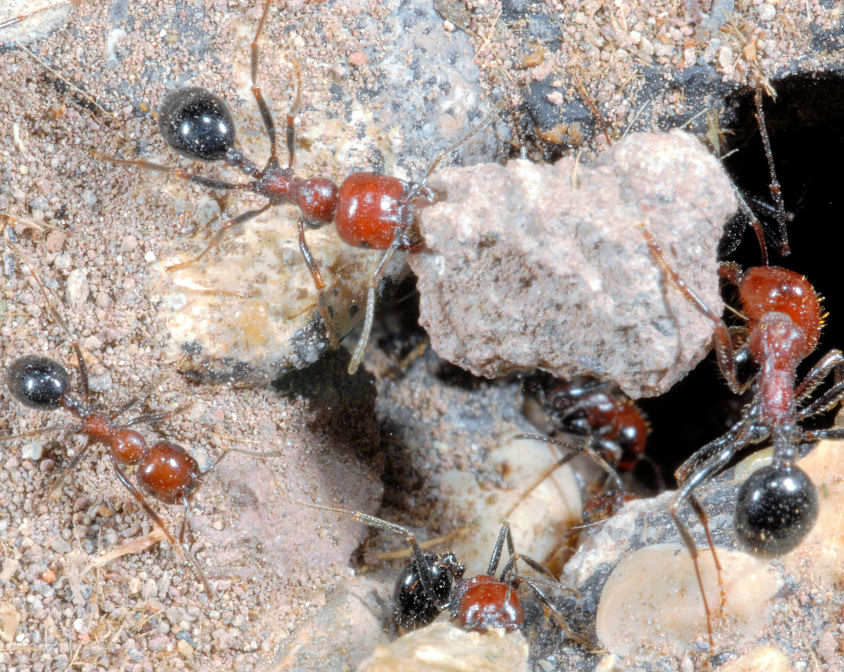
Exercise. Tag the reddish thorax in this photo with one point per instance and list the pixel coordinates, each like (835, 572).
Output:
(784, 324)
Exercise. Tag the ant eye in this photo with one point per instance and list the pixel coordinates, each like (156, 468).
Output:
(38, 382)
(776, 507)
(196, 123)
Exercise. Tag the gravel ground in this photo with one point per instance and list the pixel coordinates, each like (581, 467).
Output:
(93, 232)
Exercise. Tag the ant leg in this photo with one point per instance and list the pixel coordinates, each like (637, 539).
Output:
(721, 336)
(370, 304)
(694, 502)
(83, 374)
(319, 283)
(194, 563)
(503, 533)
(814, 435)
(175, 172)
(419, 187)
(290, 130)
(535, 566)
(263, 108)
(585, 449)
(555, 612)
(776, 189)
(373, 521)
(309, 260)
(702, 455)
(707, 469)
(186, 527)
(56, 483)
(232, 223)
(832, 361)
(149, 418)
(754, 223)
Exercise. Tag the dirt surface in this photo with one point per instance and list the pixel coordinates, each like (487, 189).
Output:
(95, 233)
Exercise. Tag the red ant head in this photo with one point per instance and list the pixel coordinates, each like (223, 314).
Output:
(487, 603)
(771, 289)
(168, 473)
(372, 209)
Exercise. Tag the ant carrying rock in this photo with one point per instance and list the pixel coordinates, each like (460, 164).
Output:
(433, 583)
(369, 210)
(164, 470)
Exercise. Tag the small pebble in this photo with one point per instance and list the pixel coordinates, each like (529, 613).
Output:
(31, 451)
(60, 546)
(652, 601)
(762, 659)
(77, 286)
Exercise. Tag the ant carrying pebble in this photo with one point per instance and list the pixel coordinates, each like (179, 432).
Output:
(164, 470)
(369, 210)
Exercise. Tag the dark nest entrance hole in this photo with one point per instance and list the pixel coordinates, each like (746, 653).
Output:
(806, 126)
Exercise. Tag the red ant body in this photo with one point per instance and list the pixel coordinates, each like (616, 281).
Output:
(369, 210)
(777, 505)
(613, 424)
(430, 584)
(164, 470)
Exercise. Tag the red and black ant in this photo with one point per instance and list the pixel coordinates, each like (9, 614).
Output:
(369, 210)
(778, 504)
(164, 470)
(433, 583)
(611, 422)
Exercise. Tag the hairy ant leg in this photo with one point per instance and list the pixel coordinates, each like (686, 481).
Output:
(774, 185)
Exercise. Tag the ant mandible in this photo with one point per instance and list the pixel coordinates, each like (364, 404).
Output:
(165, 470)
(432, 583)
(777, 505)
(369, 210)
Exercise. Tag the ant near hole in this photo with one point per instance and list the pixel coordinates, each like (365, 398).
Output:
(431, 584)
(164, 470)
(369, 210)
(777, 505)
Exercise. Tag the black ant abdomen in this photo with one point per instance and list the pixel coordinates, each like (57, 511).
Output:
(413, 606)
(197, 124)
(38, 382)
(776, 508)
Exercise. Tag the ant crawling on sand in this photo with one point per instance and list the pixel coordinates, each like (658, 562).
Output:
(433, 583)
(164, 470)
(369, 210)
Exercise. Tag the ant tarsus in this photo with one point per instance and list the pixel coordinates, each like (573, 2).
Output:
(369, 210)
